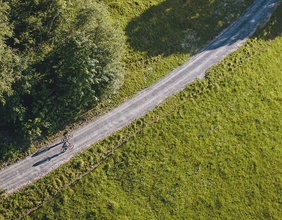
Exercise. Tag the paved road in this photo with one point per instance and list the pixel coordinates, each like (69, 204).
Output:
(35, 166)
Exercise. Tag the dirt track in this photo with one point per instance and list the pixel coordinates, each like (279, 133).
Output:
(35, 166)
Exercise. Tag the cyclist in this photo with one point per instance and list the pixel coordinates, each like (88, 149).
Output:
(66, 144)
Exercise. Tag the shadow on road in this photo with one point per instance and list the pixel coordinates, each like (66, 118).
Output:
(273, 28)
(45, 149)
(46, 159)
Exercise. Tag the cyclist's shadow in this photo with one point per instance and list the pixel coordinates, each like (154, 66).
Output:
(46, 159)
(45, 149)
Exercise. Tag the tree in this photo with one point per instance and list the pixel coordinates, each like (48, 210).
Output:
(72, 51)
(8, 60)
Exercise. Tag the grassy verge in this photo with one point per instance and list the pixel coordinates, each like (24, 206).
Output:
(211, 152)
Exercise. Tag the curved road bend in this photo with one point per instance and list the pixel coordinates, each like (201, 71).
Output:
(33, 167)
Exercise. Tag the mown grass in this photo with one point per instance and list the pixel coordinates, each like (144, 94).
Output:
(163, 34)
(191, 157)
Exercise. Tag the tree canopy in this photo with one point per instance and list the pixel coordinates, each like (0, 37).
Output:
(57, 57)
(7, 57)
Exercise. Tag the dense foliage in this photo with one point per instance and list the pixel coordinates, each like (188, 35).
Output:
(60, 58)
(8, 60)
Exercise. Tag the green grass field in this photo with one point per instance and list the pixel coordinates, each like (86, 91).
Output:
(215, 156)
(211, 152)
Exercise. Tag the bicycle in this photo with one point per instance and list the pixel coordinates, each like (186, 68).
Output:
(69, 146)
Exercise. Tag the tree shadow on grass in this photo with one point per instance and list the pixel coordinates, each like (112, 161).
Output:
(180, 26)
(273, 28)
